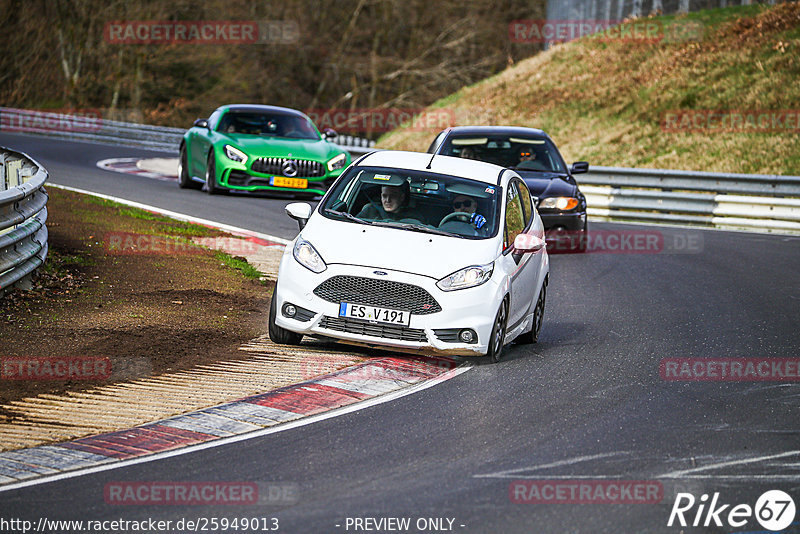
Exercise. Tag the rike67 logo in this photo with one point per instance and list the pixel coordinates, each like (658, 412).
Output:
(774, 511)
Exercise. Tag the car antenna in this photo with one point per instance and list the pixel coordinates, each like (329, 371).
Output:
(431, 161)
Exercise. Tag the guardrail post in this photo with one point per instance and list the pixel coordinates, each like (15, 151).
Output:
(13, 178)
(27, 171)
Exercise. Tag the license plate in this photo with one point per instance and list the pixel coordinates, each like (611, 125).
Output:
(283, 181)
(374, 314)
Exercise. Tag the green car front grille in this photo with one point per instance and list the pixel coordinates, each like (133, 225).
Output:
(293, 168)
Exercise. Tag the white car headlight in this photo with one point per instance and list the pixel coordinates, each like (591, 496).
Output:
(234, 154)
(307, 256)
(559, 203)
(337, 162)
(471, 276)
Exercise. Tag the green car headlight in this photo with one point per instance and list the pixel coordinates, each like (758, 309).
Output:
(234, 154)
(337, 162)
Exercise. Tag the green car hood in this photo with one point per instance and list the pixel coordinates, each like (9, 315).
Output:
(281, 147)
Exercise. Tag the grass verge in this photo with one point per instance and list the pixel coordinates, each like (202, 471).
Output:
(156, 303)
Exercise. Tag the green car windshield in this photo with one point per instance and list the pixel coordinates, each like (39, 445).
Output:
(267, 124)
(415, 201)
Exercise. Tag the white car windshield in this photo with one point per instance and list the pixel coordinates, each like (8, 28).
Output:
(415, 201)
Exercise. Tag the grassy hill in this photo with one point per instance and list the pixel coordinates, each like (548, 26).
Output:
(605, 100)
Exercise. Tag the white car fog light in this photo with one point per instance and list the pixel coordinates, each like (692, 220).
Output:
(467, 335)
(289, 310)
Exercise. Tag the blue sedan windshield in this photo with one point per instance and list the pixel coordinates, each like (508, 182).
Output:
(515, 152)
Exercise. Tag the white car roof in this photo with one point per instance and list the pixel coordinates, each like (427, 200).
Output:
(418, 161)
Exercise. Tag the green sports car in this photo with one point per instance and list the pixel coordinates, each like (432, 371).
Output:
(259, 148)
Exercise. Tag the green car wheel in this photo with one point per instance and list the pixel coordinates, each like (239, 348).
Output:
(184, 181)
(212, 188)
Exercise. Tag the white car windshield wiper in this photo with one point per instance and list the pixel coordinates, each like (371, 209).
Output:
(418, 228)
(348, 216)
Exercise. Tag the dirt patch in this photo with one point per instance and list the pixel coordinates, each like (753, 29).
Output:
(144, 310)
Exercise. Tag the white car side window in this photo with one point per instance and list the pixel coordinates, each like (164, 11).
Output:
(515, 217)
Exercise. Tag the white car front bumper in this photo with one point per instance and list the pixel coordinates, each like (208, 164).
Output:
(428, 332)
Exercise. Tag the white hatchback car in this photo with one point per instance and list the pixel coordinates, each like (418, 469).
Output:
(424, 253)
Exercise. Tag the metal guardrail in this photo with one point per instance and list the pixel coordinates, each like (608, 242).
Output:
(23, 213)
(97, 129)
(90, 128)
(721, 200)
(355, 145)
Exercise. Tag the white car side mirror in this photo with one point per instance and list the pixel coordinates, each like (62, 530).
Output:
(525, 243)
(300, 212)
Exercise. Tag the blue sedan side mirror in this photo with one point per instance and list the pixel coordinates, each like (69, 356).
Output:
(579, 167)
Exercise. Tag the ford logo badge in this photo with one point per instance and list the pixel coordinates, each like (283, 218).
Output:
(380, 273)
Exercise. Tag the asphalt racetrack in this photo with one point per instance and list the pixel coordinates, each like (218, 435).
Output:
(586, 403)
